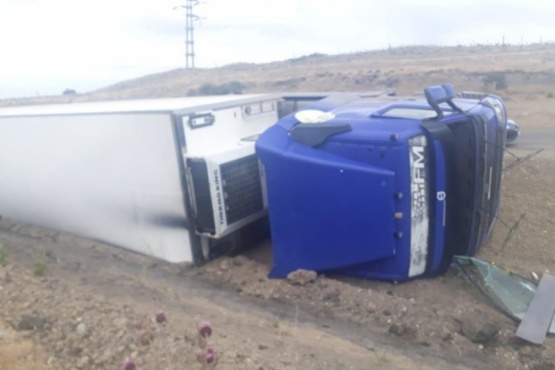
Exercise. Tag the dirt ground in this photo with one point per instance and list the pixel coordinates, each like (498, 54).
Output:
(82, 315)
(72, 303)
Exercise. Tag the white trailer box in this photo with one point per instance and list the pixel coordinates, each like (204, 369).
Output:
(163, 177)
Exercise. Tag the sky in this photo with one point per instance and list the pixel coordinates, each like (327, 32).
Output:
(47, 46)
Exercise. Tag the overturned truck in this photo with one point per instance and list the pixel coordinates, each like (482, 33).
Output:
(363, 184)
(383, 188)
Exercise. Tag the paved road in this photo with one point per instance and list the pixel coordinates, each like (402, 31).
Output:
(536, 139)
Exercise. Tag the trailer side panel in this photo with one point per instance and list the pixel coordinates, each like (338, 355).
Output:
(110, 177)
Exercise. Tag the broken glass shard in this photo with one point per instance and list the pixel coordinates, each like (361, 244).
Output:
(506, 291)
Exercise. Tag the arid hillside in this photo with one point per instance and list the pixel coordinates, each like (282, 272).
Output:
(523, 75)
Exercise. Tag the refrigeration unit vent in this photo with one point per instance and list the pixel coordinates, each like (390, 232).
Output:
(202, 196)
(242, 188)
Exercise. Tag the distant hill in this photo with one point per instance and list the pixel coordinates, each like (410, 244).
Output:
(523, 75)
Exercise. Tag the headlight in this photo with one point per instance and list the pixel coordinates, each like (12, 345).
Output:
(419, 220)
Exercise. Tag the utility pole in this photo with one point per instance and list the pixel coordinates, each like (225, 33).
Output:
(190, 18)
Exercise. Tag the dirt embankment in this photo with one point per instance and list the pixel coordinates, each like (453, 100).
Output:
(82, 313)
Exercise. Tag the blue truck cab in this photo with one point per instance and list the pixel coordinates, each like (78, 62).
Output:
(385, 188)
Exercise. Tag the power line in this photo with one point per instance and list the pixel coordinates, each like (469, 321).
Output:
(190, 19)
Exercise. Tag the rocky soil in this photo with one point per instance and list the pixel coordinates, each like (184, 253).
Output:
(71, 303)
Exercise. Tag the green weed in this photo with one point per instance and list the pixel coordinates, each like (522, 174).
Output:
(40, 268)
(3, 257)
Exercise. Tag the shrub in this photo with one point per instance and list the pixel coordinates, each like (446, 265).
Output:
(497, 79)
(232, 87)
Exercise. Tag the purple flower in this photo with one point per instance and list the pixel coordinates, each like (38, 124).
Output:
(160, 317)
(205, 329)
(128, 365)
(210, 355)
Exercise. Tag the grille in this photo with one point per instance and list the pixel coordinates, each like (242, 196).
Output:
(466, 167)
(242, 188)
